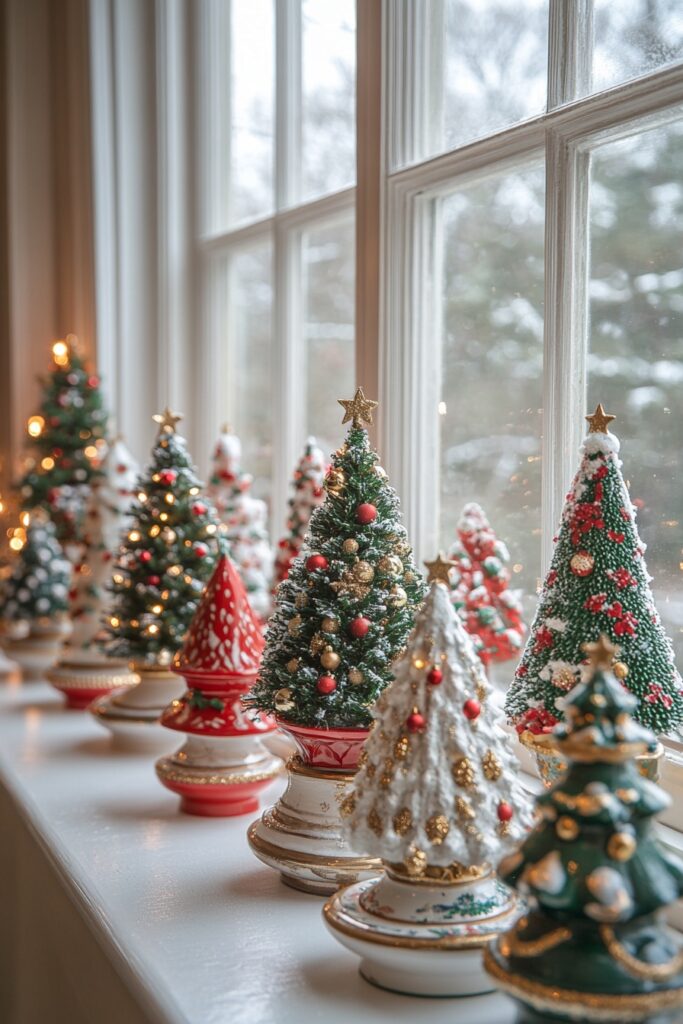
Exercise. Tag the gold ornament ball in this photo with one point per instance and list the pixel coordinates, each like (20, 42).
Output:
(356, 677)
(398, 597)
(329, 658)
(301, 599)
(620, 670)
(621, 846)
(330, 625)
(415, 863)
(292, 665)
(390, 564)
(283, 700)
(582, 563)
(403, 548)
(567, 828)
(350, 546)
(294, 625)
(363, 572)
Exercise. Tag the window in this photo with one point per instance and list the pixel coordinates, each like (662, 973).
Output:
(276, 183)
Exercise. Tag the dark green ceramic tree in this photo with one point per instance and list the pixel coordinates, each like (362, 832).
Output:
(596, 876)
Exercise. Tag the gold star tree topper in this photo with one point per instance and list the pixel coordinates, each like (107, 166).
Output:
(599, 422)
(602, 653)
(358, 409)
(440, 569)
(167, 420)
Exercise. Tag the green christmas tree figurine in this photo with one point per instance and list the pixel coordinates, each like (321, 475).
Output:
(166, 557)
(597, 583)
(593, 945)
(346, 608)
(65, 436)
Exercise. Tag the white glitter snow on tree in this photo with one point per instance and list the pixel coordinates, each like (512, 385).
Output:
(438, 799)
(307, 493)
(245, 518)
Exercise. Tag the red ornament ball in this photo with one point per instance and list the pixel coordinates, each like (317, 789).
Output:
(93, 381)
(201, 550)
(316, 562)
(359, 627)
(471, 709)
(145, 556)
(434, 676)
(326, 684)
(153, 581)
(416, 722)
(505, 812)
(199, 508)
(366, 513)
(168, 476)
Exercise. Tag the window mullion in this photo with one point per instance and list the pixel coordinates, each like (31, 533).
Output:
(288, 73)
(570, 50)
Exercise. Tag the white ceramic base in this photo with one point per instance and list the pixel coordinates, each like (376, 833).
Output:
(422, 939)
(35, 654)
(302, 835)
(132, 716)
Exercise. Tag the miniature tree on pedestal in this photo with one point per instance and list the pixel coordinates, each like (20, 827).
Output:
(245, 518)
(597, 583)
(35, 597)
(66, 435)
(342, 615)
(491, 612)
(308, 493)
(438, 799)
(593, 945)
(84, 672)
(223, 764)
(165, 560)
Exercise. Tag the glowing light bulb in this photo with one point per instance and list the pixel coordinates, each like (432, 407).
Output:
(117, 578)
(194, 490)
(152, 629)
(142, 497)
(16, 543)
(60, 353)
(91, 451)
(35, 426)
(134, 535)
(163, 516)
(25, 518)
(169, 498)
(47, 462)
(134, 623)
(114, 621)
(174, 570)
(157, 609)
(154, 531)
(211, 528)
(419, 663)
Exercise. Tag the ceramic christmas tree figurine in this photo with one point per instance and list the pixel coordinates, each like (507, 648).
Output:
(593, 946)
(491, 612)
(308, 493)
(245, 518)
(66, 436)
(34, 598)
(342, 615)
(597, 583)
(84, 672)
(222, 766)
(165, 560)
(438, 799)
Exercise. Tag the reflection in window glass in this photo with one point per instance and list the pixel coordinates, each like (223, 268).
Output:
(636, 339)
(633, 37)
(328, 96)
(252, 63)
(495, 66)
(248, 345)
(492, 360)
(328, 324)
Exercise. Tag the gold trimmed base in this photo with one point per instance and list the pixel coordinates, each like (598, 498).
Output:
(169, 771)
(582, 1006)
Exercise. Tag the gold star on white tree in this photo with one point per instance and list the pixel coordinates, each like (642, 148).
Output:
(358, 409)
(440, 569)
(599, 422)
(167, 420)
(601, 653)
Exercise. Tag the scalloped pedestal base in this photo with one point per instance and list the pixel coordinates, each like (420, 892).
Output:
(132, 716)
(219, 776)
(82, 682)
(301, 836)
(422, 939)
(34, 654)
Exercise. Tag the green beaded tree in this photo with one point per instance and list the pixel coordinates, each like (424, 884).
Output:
(347, 606)
(38, 586)
(594, 872)
(597, 583)
(166, 558)
(65, 436)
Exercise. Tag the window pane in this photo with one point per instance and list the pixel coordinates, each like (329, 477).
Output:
(328, 355)
(495, 66)
(632, 37)
(245, 358)
(328, 96)
(492, 361)
(636, 339)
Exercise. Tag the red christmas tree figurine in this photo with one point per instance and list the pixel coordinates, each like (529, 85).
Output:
(490, 611)
(223, 763)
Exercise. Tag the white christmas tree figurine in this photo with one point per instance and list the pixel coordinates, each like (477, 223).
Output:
(307, 493)
(245, 518)
(438, 799)
(84, 672)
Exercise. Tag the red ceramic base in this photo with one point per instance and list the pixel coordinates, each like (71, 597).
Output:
(80, 699)
(337, 749)
(219, 801)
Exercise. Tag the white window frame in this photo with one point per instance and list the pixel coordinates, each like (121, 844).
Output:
(410, 354)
